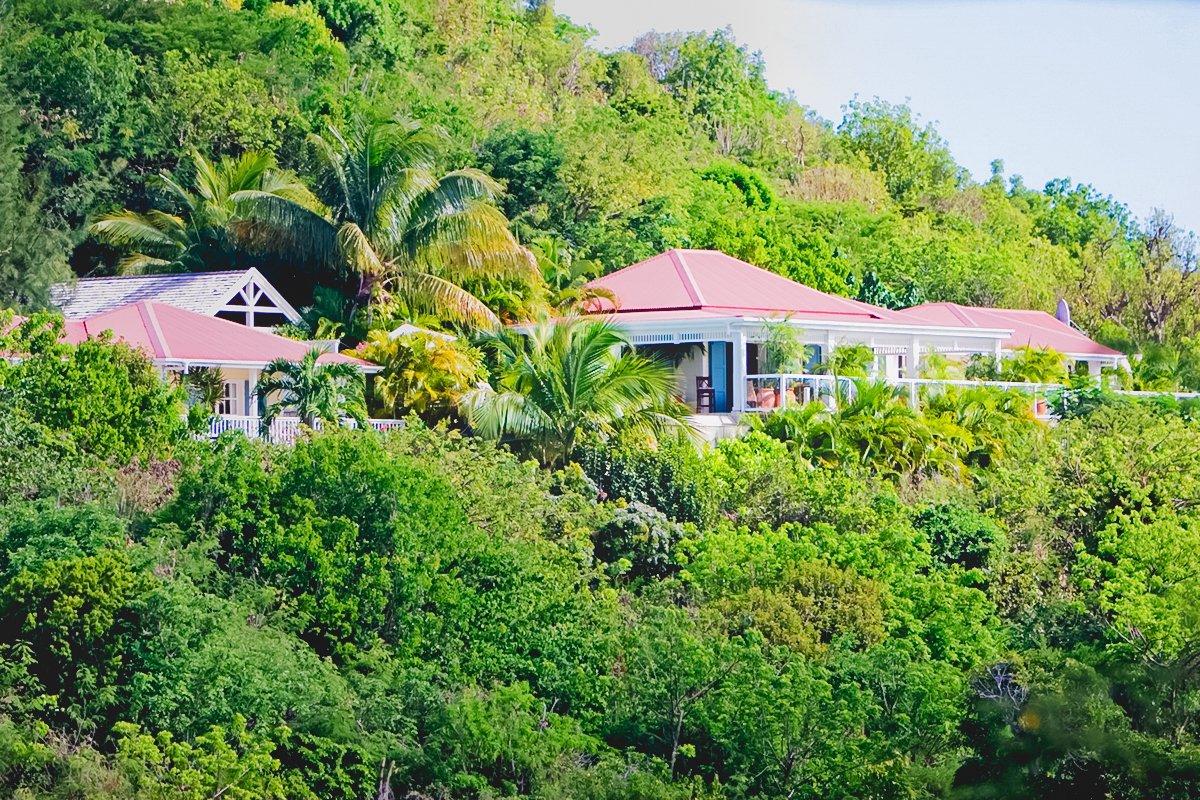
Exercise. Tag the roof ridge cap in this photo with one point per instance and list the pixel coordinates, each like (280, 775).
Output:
(687, 278)
(150, 319)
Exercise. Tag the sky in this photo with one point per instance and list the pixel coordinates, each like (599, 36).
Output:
(1104, 93)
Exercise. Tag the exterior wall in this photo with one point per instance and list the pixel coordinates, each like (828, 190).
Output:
(712, 428)
(693, 365)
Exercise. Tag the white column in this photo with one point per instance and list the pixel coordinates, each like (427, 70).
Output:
(997, 354)
(252, 396)
(913, 367)
(739, 371)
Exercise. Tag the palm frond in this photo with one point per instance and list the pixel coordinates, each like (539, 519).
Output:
(285, 184)
(453, 192)
(154, 229)
(278, 224)
(208, 181)
(182, 196)
(471, 243)
(357, 251)
(422, 291)
(142, 264)
(247, 171)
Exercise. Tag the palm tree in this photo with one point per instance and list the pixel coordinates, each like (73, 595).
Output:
(573, 377)
(395, 226)
(205, 386)
(326, 392)
(162, 241)
(568, 277)
(993, 419)
(1035, 365)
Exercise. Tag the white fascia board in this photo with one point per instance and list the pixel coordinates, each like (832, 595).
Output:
(1117, 359)
(868, 328)
(726, 326)
(185, 365)
(252, 274)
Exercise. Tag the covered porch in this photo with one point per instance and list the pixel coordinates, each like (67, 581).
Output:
(721, 364)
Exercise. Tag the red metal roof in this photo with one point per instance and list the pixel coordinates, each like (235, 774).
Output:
(1030, 328)
(710, 280)
(166, 333)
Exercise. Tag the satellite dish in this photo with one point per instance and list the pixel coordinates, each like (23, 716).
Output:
(1063, 312)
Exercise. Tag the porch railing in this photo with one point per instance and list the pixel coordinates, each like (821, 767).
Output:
(768, 392)
(282, 429)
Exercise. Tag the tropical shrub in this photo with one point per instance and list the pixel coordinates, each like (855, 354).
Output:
(105, 395)
(673, 476)
(423, 373)
(960, 535)
(638, 542)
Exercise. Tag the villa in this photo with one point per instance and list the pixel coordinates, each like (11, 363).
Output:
(185, 322)
(714, 313)
(1030, 328)
(719, 311)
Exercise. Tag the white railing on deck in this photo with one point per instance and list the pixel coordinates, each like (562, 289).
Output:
(283, 429)
(769, 392)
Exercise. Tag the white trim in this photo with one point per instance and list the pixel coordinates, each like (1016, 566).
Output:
(181, 365)
(254, 281)
(682, 327)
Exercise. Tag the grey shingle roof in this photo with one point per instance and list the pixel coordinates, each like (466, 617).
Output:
(201, 292)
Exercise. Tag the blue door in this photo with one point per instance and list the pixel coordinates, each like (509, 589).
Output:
(718, 368)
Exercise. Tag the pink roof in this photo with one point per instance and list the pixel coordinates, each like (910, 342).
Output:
(167, 333)
(709, 280)
(1030, 328)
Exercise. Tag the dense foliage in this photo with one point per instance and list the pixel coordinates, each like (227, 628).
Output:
(953, 600)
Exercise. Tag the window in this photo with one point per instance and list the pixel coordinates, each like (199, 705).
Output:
(230, 396)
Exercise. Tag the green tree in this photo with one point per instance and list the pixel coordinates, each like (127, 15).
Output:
(204, 236)
(106, 395)
(913, 158)
(33, 251)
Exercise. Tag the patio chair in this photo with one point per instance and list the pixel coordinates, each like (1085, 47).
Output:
(706, 395)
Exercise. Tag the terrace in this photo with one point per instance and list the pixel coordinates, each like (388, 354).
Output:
(780, 391)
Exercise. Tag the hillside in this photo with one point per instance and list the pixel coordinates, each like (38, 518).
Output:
(541, 585)
(603, 158)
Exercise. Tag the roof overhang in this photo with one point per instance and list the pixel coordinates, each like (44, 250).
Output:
(185, 365)
(693, 329)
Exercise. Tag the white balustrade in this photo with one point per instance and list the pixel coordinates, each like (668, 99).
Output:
(283, 430)
(768, 392)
